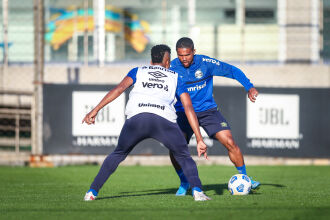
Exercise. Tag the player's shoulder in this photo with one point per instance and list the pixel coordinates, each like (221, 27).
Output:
(208, 60)
(177, 67)
(177, 71)
(142, 67)
(133, 71)
(175, 63)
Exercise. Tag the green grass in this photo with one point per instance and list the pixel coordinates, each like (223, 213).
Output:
(136, 192)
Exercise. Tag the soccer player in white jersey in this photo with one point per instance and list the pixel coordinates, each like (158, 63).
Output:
(151, 114)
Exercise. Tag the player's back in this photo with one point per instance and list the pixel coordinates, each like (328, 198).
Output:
(154, 92)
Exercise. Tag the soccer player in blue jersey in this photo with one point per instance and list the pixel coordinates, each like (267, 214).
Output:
(151, 114)
(197, 72)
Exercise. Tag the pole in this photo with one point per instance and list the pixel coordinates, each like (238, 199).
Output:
(315, 31)
(38, 76)
(86, 34)
(164, 19)
(99, 32)
(321, 22)
(5, 31)
(17, 139)
(5, 41)
(193, 32)
(240, 21)
(282, 23)
(175, 29)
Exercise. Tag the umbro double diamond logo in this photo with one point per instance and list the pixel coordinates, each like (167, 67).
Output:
(157, 74)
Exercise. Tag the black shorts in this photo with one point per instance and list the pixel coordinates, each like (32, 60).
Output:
(210, 120)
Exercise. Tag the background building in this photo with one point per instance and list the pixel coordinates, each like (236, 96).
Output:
(235, 30)
(277, 43)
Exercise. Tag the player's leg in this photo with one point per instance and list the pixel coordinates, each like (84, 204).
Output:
(175, 164)
(187, 132)
(225, 137)
(217, 127)
(171, 137)
(130, 135)
(184, 184)
(235, 155)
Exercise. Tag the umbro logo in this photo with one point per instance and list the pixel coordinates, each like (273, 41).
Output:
(157, 74)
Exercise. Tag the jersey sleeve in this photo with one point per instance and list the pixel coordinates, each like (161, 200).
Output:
(181, 87)
(132, 74)
(230, 71)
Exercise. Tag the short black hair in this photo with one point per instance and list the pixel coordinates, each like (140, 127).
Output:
(158, 52)
(185, 42)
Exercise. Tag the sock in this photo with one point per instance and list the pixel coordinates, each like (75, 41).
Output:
(181, 175)
(241, 170)
(197, 189)
(93, 191)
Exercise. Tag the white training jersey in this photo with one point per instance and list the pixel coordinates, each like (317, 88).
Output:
(154, 91)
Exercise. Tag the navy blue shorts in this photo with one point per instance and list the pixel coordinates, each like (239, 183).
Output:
(210, 120)
(149, 125)
(140, 127)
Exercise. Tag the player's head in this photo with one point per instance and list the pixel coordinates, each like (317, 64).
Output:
(185, 51)
(161, 55)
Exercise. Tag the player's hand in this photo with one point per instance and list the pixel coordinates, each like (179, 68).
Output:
(252, 94)
(202, 149)
(90, 117)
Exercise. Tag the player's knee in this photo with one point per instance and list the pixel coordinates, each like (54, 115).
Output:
(231, 145)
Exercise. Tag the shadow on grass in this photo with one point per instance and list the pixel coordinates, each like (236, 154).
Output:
(142, 193)
(218, 189)
(255, 191)
(208, 188)
(274, 185)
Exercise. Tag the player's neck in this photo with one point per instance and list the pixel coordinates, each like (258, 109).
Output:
(158, 64)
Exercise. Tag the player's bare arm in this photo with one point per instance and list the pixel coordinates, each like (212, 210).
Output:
(192, 118)
(252, 94)
(109, 97)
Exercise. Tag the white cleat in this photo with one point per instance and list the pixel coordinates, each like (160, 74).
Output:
(200, 196)
(89, 196)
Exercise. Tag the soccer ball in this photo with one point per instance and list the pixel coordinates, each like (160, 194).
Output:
(239, 184)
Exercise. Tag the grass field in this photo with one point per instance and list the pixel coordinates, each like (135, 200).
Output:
(136, 192)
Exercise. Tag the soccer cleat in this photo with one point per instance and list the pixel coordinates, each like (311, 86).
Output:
(254, 184)
(89, 196)
(182, 191)
(200, 196)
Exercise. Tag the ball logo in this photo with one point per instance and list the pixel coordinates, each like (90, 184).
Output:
(245, 177)
(198, 74)
(234, 178)
(240, 188)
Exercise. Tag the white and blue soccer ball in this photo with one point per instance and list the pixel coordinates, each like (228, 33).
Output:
(239, 184)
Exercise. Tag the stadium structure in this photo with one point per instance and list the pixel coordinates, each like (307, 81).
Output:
(58, 57)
